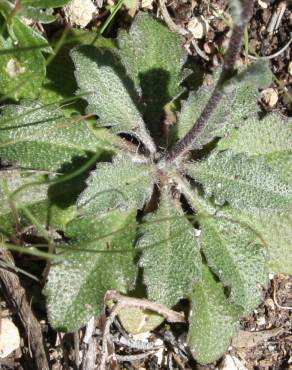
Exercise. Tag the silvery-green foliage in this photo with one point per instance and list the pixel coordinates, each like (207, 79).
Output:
(275, 232)
(125, 183)
(171, 258)
(257, 138)
(153, 58)
(245, 182)
(209, 229)
(213, 320)
(234, 254)
(100, 256)
(101, 77)
(38, 137)
(239, 102)
(257, 74)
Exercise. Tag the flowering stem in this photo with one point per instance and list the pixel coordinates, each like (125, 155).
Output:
(228, 70)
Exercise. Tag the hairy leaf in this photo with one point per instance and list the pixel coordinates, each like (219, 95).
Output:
(34, 198)
(45, 3)
(22, 72)
(153, 57)
(274, 230)
(60, 81)
(235, 256)
(243, 181)
(39, 137)
(37, 15)
(171, 258)
(213, 320)
(234, 107)
(125, 183)
(109, 92)
(269, 138)
(99, 258)
(257, 74)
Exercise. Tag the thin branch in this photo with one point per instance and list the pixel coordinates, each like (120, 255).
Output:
(122, 302)
(16, 298)
(144, 304)
(186, 143)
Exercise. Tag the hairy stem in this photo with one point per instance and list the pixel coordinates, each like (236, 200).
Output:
(186, 143)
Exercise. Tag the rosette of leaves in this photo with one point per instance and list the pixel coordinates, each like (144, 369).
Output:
(199, 228)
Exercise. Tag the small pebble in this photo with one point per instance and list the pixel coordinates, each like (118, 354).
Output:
(270, 97)
(198, 26)
(290, 68)
(9, 338)
(79, 12)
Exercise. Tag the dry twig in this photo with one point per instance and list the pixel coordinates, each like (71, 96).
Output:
(122, 302)
(16, 299)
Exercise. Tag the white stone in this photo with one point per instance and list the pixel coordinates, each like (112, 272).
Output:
(263, 4)
(146, 4)
(270, 97)
(9, 337)
(232, 363)
(14, 68)
(79, 12)
(261, 320)
(198, 27)
(290, 68)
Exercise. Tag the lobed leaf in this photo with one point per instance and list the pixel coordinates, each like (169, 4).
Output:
(235, 256)
(109, 92)
(100, 257)
(60, 83)
(233, 109)
(243, 181)
(274, 229)
(39, 137)
(213, 319)
(269, 139)
(171, 259)
(125, 183)
(153, 57)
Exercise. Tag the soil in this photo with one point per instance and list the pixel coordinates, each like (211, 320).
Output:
(265, 339)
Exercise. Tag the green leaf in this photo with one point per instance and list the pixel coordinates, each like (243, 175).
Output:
(171, 259)
(274, 229)
(136, 320)
(5, 7)
(109, 92)
(22, 71)
(45, 3)
(39, 137)
(269, 139)
(99, 258)
(37, 15)
(243, 181)
(235, 256)
(213, 320)
(60, 81)
(258, 74)
(232, 110)
(125, 183)
(34, 198)
(153, 57)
